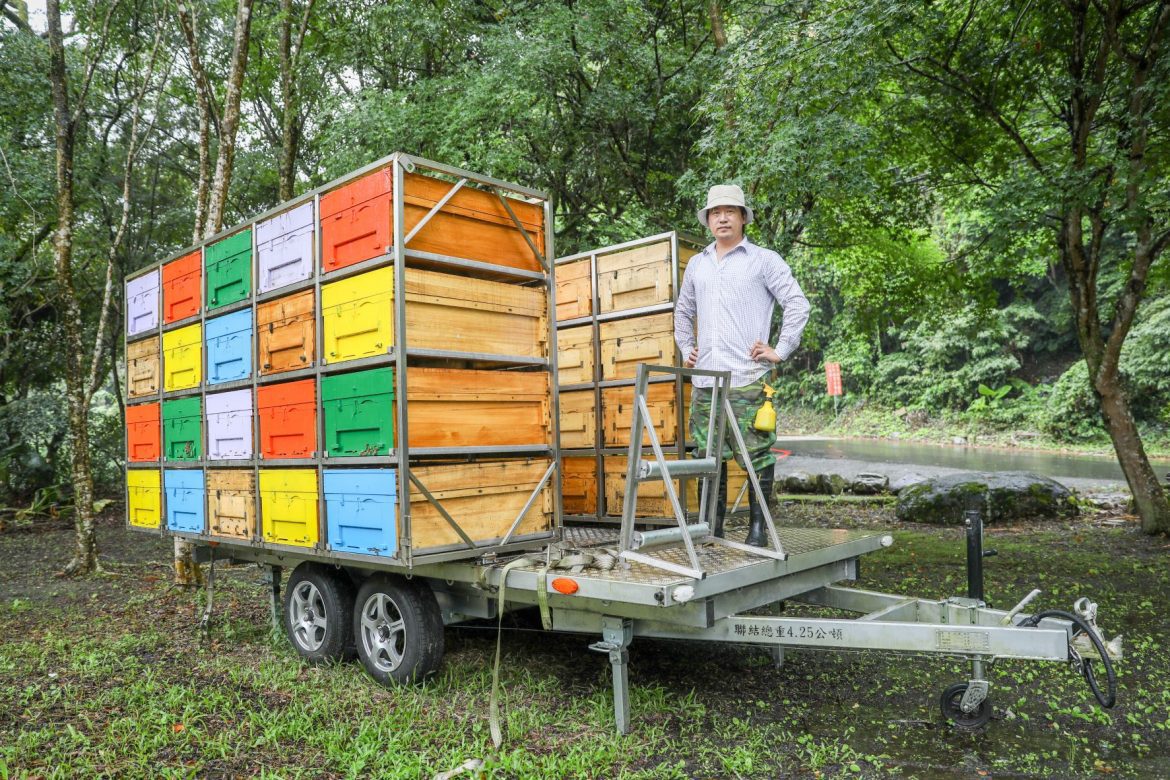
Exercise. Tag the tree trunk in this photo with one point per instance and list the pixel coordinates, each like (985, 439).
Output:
(85, 558)
(221, 181)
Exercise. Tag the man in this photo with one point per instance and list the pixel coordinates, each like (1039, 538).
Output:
(731, 289)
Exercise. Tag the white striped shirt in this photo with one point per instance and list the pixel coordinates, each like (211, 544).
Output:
(732, 300)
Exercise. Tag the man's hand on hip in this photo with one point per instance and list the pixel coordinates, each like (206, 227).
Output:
(761, 351)
(692, 358)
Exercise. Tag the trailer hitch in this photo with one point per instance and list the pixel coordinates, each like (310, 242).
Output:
(1086, 646)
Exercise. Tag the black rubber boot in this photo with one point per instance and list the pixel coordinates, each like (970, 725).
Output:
(720, 502)
(757, 531)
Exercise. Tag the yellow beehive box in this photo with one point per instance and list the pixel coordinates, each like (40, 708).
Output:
(357, 316)
(288, 506)
(183, 358)
(144, 504)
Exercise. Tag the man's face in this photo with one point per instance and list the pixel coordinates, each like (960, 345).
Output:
(725, 222)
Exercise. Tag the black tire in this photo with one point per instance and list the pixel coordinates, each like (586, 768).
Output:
(318, 613)
(398, 629)
(968, 721)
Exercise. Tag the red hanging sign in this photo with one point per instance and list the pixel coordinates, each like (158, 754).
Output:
(833, 378)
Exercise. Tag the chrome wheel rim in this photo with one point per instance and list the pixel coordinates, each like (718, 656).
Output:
(307, 616)
(383, 632)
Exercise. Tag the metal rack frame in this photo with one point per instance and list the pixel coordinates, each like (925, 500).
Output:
(398, 256)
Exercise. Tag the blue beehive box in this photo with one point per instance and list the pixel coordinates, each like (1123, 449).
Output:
(185, 499)
(229, 347)
(362, 511)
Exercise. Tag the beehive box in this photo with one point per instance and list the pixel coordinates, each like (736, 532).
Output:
(357, 316)
(182, 420)
(575, 359)
(229, 347)
(231, 503)
(185, 500)
(652, 498)
(578, 419)
(143, 433)
(470, 408)
(617, 411)
(142, 299)
(287, 333)
(288, 419)
(144, 497)
(229, 270)
(357, 222)
(483, 498)
(461, 314)
(143, 367)
(574, 290)
(361, 510)
(229, 425)
(288, 506)
(182, 287)
(359, 413)
(634, 278)
(579, 481)
(626, 343)
(284, 248)
(182, 358)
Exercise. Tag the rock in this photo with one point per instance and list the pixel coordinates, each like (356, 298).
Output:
(900, 412)
(960, 440)
(869, 484)
(798, 482)
(905, 481)
(831, 484)
(1002, 497)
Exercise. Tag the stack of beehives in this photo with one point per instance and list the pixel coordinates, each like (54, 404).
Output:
(266, 402)
(615, 309)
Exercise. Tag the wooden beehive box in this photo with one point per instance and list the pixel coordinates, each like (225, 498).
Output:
(143, 367)
(468, 408)
(575, 359)
(231, 503)
(463, 314)
(578, 419)
(633, 278)
(574, 290)
(579, 482)
(287, 333)
(626, 343)
(483, 498)
(617, 412)
(652, 498)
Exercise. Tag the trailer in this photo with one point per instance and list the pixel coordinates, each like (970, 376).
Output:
(358, 388)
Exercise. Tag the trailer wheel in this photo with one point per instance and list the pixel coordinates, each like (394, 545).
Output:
(398, 628)
(951, 710)
(318, 613)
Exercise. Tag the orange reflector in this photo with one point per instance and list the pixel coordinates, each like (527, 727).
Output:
(565, 585)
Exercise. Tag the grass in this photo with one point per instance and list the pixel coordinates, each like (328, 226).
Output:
(107, 678)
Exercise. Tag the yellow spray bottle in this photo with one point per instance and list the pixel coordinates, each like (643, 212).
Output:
(766, 415)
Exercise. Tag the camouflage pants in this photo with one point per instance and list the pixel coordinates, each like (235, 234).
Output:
(745, 402)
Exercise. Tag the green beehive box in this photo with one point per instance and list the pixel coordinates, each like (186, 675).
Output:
(359, 413)
(183, 429)
(229, 269)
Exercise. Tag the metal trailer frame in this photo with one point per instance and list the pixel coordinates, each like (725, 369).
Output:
(397, 255)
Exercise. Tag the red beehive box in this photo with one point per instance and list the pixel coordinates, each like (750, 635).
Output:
(288, 419)
(143, 433)
(182, 287)
(356, 223)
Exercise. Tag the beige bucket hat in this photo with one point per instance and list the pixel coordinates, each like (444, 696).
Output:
(725, 195)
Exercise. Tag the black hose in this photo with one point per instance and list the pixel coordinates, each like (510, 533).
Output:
(1107, 699)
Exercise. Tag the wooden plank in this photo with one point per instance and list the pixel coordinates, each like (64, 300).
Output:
(449, 312)
(575, 358)
(483, 498)
(626, 343)
(574, 290)
(465, 408)
(578, 419)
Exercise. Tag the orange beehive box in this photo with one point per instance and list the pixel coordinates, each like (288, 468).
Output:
(143, 433)
(288, 419)
(579, 480)
(357, 222)
(617, 413)
(182, 287)
(287, 333)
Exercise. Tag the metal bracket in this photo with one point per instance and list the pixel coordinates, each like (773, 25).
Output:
(531, 499)
(975, 695)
